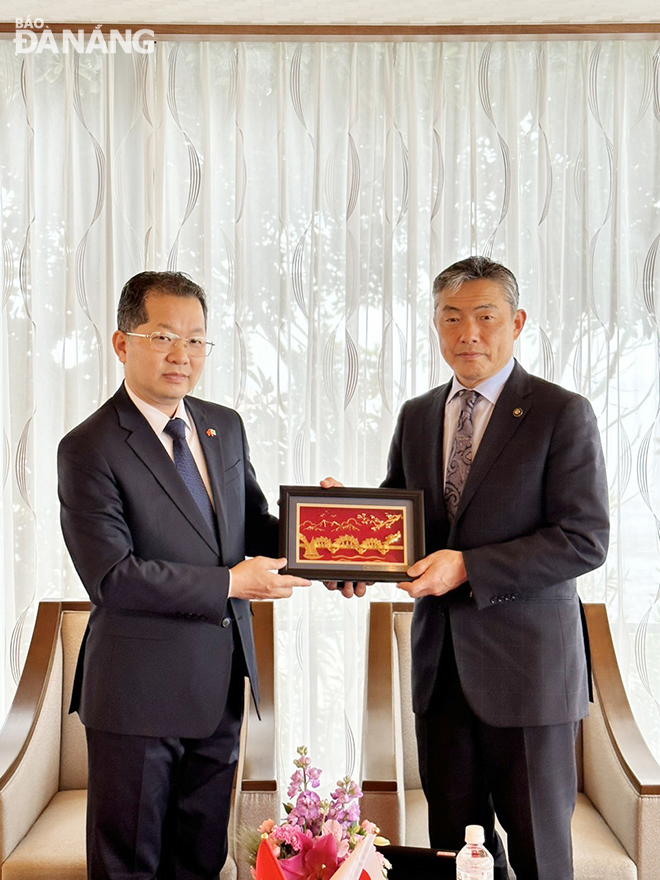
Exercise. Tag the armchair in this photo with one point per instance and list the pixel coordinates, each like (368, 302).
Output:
(617, 816)
(43, 755)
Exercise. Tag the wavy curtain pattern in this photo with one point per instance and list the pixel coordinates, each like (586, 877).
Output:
(315, 190)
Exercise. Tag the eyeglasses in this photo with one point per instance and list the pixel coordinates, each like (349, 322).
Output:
(196, 346)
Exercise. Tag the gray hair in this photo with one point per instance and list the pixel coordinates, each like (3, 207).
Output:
(472, 268)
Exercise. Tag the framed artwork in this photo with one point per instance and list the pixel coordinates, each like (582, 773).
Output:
(351, 534)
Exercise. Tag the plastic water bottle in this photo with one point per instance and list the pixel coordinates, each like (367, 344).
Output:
(474, 862)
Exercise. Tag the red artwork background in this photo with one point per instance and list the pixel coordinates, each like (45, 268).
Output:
(344, 533)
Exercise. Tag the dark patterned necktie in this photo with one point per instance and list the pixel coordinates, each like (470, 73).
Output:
(185, 464)
(460, 458)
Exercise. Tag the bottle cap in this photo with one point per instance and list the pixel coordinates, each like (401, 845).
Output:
(475, 834)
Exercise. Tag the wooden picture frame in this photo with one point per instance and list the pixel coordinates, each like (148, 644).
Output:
(351, 534)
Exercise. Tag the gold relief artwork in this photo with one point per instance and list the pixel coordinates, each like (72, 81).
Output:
(349, 533)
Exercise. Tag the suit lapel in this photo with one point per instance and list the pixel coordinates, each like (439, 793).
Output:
(508, 415)
(151, 452)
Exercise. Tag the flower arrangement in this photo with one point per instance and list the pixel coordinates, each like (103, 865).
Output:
(317, 835)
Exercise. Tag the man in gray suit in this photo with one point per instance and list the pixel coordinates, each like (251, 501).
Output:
(515, 499)
(160, 506)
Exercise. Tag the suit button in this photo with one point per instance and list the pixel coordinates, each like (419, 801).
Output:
(226, 621)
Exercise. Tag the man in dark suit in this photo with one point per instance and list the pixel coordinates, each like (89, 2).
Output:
(515, 500)
(160, 506)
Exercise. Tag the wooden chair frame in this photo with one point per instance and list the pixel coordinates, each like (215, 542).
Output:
(382, 777)
(256, 794)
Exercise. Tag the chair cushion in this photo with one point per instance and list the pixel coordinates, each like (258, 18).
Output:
(54, 848)
(597, 853)
(55, 845)
(403, 700)
(417, 818)
(73, 745)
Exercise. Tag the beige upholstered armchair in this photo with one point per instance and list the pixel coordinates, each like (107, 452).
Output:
(43, 755)
(616, 825)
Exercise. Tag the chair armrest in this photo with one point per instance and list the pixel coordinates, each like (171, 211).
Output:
(257, 796)
(634, 756)
(382, 780)
(378, 754)
(259, 769)
(621, 776)
(30, 736)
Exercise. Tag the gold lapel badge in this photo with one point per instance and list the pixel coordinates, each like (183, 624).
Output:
(517, 412)
(210, 432)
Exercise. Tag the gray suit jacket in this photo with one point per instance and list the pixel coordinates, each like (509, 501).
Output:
(533, 516)
(156, 658)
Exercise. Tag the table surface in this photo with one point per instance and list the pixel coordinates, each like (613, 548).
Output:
(414, 863)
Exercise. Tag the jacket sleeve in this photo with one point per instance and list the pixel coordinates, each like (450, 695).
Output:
(101, 546)
(571, 531)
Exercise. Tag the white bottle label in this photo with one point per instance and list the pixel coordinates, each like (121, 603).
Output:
(473, 875)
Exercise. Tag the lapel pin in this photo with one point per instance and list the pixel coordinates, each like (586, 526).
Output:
(517, 412)
(210, 432)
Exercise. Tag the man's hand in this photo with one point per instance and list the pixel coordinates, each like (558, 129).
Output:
(258, 579)
(436, 574)
(346, 588)
(331, 483)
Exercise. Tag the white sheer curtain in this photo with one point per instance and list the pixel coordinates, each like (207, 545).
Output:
(315, 189)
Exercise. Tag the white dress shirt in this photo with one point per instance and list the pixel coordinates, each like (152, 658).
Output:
(490, 389)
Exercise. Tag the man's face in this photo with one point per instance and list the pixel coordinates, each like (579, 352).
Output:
(162, 379)
(477, 329)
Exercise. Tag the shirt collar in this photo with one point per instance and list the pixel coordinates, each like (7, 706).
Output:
(157, 419)
(490, 388)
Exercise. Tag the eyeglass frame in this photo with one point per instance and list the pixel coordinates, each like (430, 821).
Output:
(176, 339)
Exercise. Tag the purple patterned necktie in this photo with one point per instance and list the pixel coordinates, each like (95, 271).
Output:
(460, 457)
(188, 471)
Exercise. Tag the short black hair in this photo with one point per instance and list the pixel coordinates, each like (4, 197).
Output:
(451, 279)
(131, 311)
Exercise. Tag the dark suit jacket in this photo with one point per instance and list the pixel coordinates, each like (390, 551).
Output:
(533, 516)
(156, 658)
